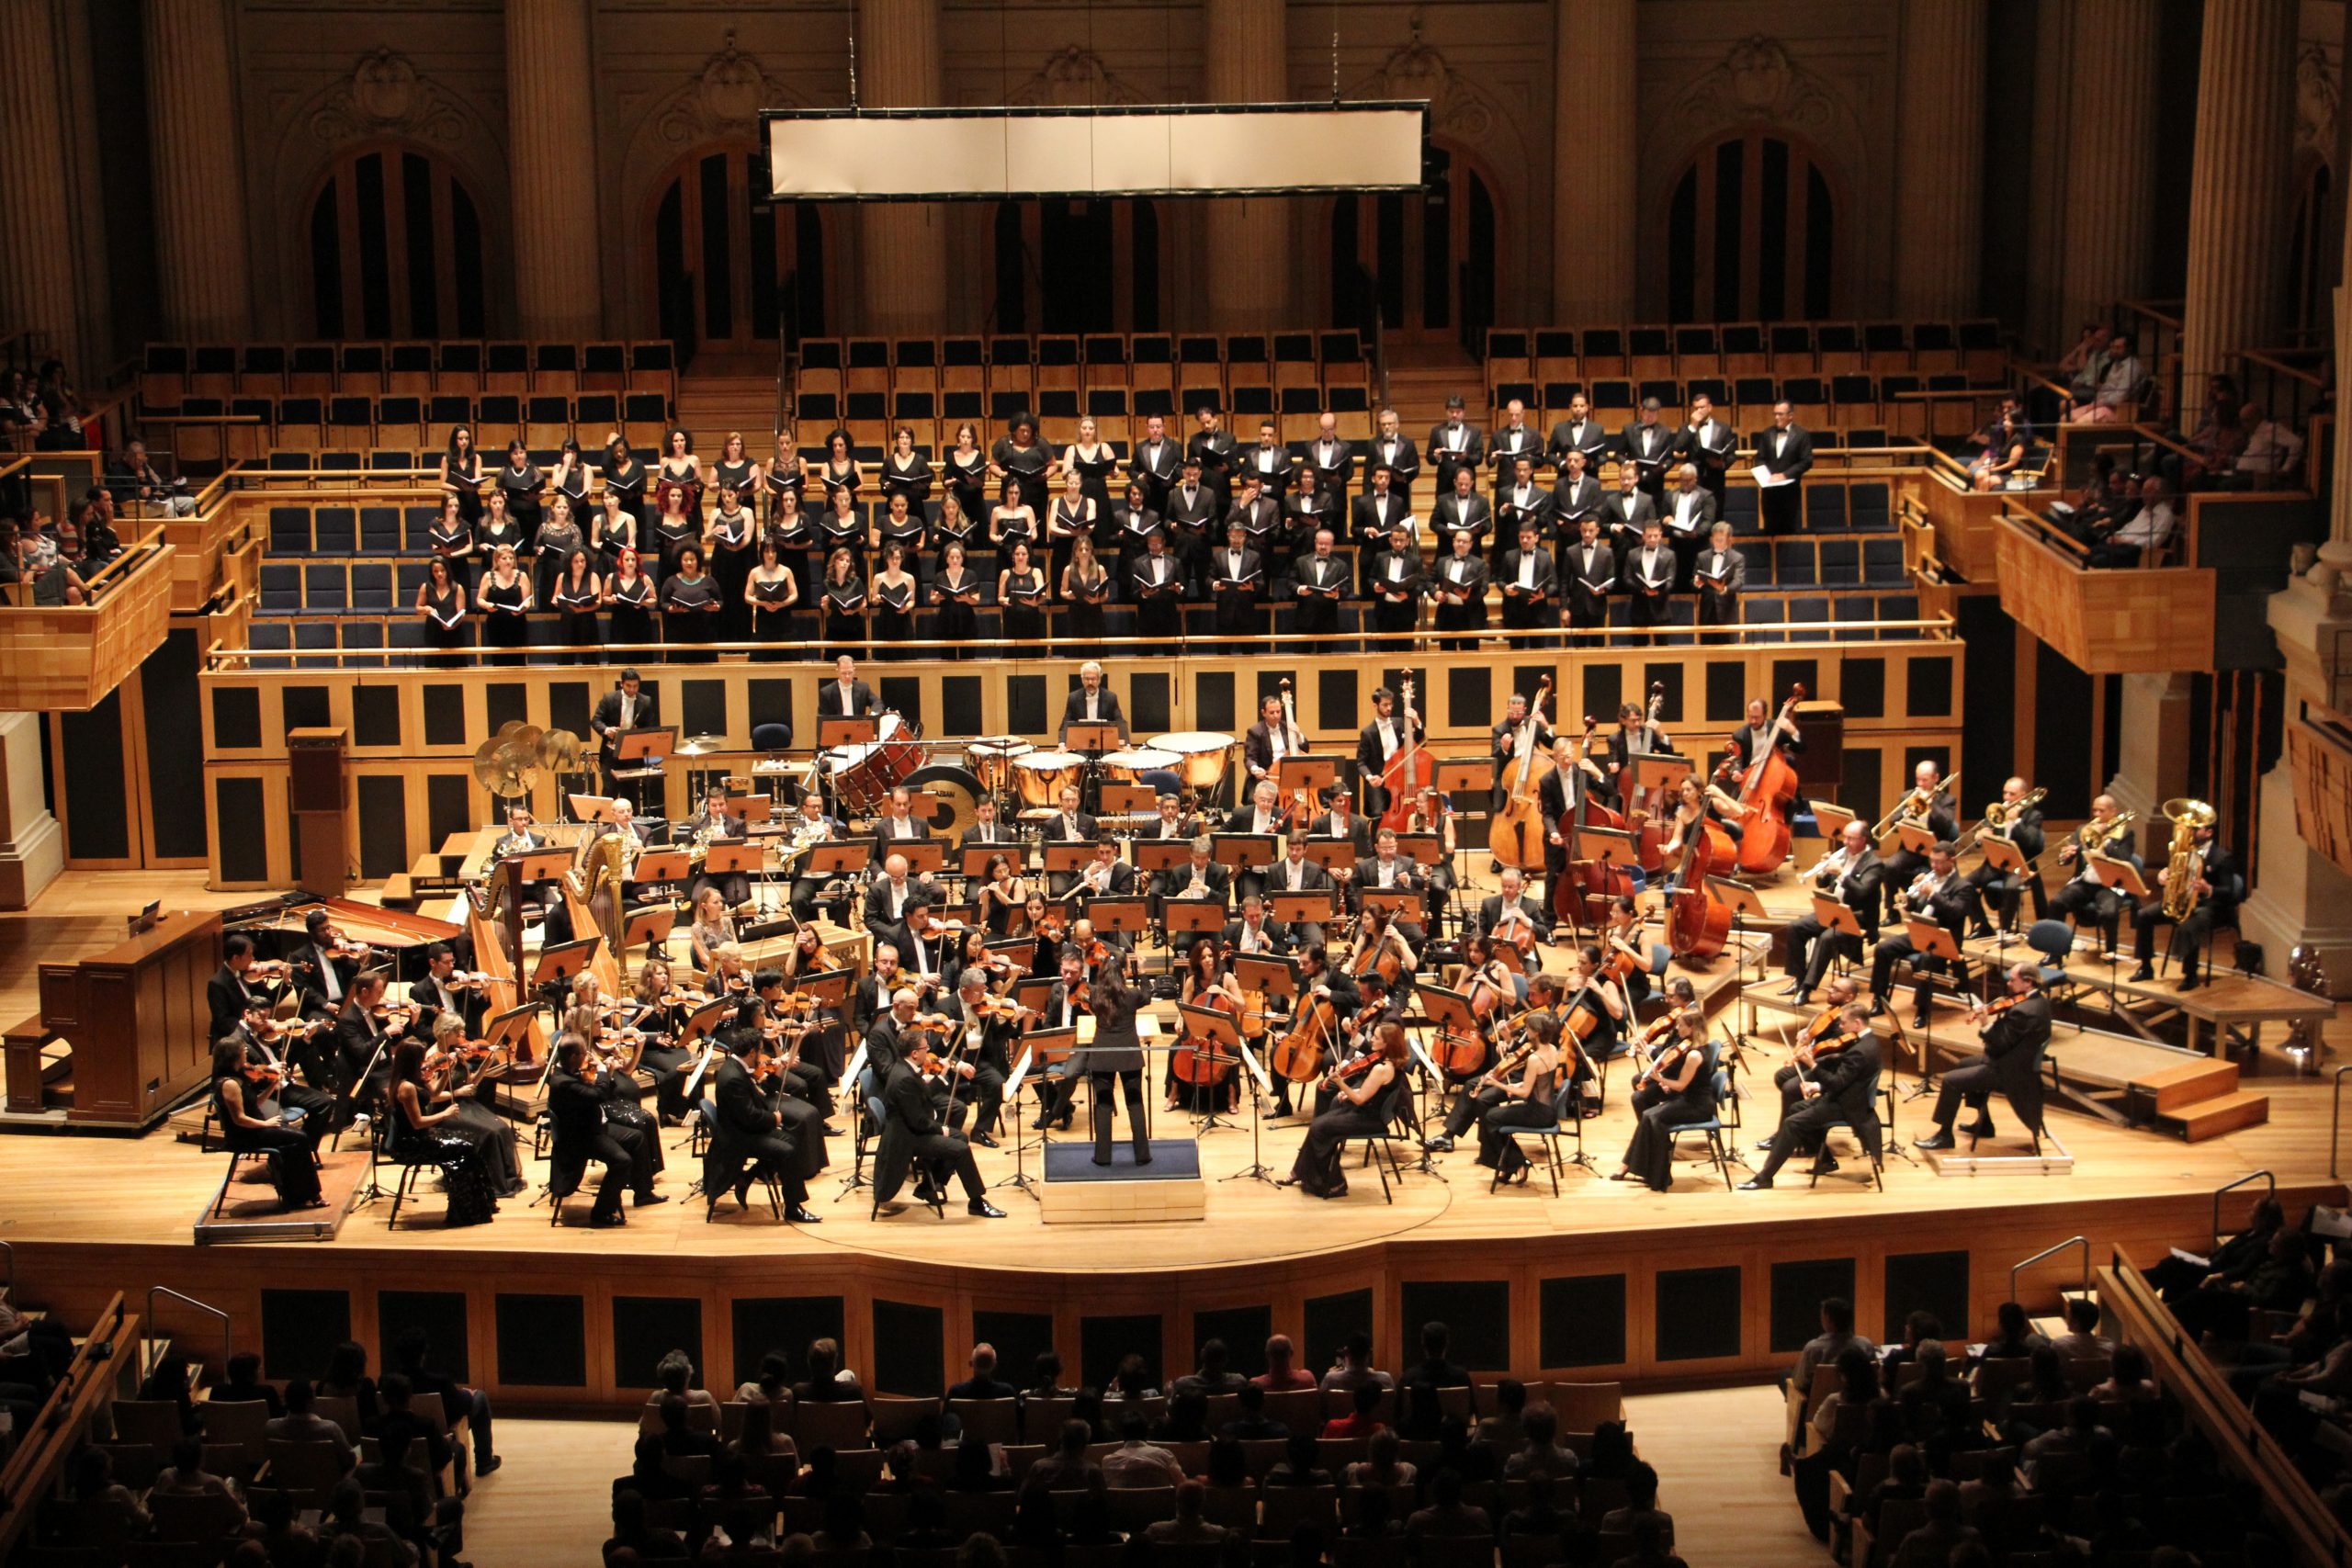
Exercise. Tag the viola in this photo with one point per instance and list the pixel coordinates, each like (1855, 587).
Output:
(1408, 772)
(1769, 788)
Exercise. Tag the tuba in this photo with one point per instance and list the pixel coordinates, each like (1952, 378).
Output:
(2186, 817)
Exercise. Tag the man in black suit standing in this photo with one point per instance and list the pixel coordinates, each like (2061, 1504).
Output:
(1157, 585)
(1378, 742)
(1393, 450)
(1519, 501)
(1396, 584)
(1156, 464)
(1785, 451)
(750, 1143)
(2011, 1062)
(1269, 460)
(1648, 446)
(1512, 440)
(1559, 796)
(1454, 443)
(1374, 516)
(1460, 509)
(1091, 700)
(845, 697)
(626, 707)
(1688, 512)
(1214, 446)
(1530, 584)
(1576, 495)
(1577, 433)
(1852, 875)
(1707, 443)
(1843, 1088)
(1648, 580)
(2214, 871)
(1237, 577)
(1319, 581)
(1721, 573)
(1590, 570)
(1625, 513)
(1115, 1052)
(1332, 459)
(1192, 512)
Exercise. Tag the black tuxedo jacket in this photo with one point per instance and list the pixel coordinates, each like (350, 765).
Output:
(1589, 577)
(1454, 513)
(1369, 761)
(1795, 456)
(1405, 461)
(1465, 575)
(1277, 938)
(1257, 748)
(1588, 438)
(1507, 444)
(608, 712)
(1321, 572)
(1106, 706)
(1213, 878)
(1702, 514)
(1368, 521)
(1275, 480)
(1334, 468)
(828, 699)
(1490, 911)
(1195, 512)
(1649, 446)
(1571, 504)
(1547, 580)
(1625, 514)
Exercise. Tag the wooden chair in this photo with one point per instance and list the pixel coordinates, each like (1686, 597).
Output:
(988, 1420)
(896, 1418)
(1582, 1406)
(828, 1423)
(307, 1471)
(1282, 1509)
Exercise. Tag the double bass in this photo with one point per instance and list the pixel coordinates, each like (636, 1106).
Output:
(1697, 923)
(1581, 896)
(1515, 835)
(1409, 771)
(1649, 839)
(1768, 789)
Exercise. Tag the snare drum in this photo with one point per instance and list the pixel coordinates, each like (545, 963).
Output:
(991, 759)
(1040, 776)
(1129, 765)
(1204, 756)
(865, 773)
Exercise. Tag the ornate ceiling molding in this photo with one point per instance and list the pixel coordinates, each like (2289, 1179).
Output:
(1758, 82)
(1075, 78)
(723, 98)
(1459, 108)
(386, 95)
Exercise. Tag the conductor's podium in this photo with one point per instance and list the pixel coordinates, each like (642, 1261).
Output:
(1077, 1192)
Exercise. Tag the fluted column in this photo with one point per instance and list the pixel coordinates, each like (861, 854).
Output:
(904, 254)
(2110, 158)
(1940, 160)
(551, 138)
(1594, 152)
(1248, 260)
(2240, 207)
(36, 259)
(201, 268)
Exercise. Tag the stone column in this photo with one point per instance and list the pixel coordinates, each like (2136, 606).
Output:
(903, 246)
(2240, 208)
(201, 265)
(1940, 160)
(1595, 151)
(551, 159)
(2110, 159)
(36, 259)
(32, 846)
(1246, 55)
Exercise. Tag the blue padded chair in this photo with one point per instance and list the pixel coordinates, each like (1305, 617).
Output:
(1713, 1127)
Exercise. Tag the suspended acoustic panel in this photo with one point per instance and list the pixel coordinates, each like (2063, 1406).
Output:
(1125, 150)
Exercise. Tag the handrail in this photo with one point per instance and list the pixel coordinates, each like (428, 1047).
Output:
(2264, 1176)
(228, 1342)
(2280, 366)
(2083, 1242)
(2336, 1124)
(57, 1430)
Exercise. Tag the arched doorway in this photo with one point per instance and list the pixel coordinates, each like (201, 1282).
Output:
(1751, 234)
(729, 274)
(1425, 263)
(395, 240)
(1075, 265)
(2312, 260)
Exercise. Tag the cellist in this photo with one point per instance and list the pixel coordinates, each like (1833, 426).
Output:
(1695, 799)
(1517, 1093)
(1623, 934)
(1380, 740)
(1317, 981)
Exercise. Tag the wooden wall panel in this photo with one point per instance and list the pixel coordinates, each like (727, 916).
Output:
(2107, 622)
(69, 659)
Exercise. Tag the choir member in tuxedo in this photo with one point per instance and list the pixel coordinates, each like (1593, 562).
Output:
(1260, 516)
(1688, 513)
(1590, 569)
(845, 697)
(1191, 516)
(1577, 433)
(1269, 460)
(1376, 516)
(1576, 495)
(1236, 578)
(1396, 584)
(1625, 513)
(1530, 584)
(1212, 445)
(1156, 584)
(1331, 459)
(1650, 577)
(1319, 581)
(1707, 443)
(1308, 507)
(1460, 509)
(1784, 451)
(1721, 575)
(1158, 464)
(1393, 450)
(1519, 500)
(1512, 439)
(1454, 443)
(1648, 445)
(1459, 589)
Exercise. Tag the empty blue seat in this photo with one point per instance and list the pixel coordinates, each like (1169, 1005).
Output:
(1792, 564)
(371, 587)
(334, 530)
(1765, 610)
(1882, 560)
(323, 588)
(289, 530)
(287, 461)
(411, 578)
(312, 636)
(416, 523)
(1867, 504)
(379, 530)
(1825, 507)
(1803, 608)
(408, 633)
(272, 635)
(1839, 561)
(1739, 506)
(363, 633)
(281, 588)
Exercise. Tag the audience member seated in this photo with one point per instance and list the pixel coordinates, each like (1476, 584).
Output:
(2110, 379)
(1251, 1424)
(1933, 1543)
(2082, 1341)
(1381, 1464)
(983, 1383)
(1282, 1372)
(675, 1375)
(1213, 1376)
(1363, 1418)
(244, 1385)
(1297, 1466)
(303, 1424)
(1068, 1468)
(1542, 1454)
(631, 1533)
(1641, 1507)
(1139, 1463)
(1188, 1528)
(1355, 1369)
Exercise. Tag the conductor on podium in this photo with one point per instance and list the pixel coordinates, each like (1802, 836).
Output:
(1115, 1050)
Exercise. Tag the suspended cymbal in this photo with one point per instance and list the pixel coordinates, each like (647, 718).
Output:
(495, 774)
(700, 745)
(528, 736)
(560, 751)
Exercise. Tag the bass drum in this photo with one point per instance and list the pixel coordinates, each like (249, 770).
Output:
(957, 792)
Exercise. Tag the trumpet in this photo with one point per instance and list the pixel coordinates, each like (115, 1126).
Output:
(1832, 867)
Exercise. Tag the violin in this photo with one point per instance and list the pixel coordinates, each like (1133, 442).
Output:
(268, 969)
(1658, 1068)
(263, 1076)
(1510, 1064)
(1992, 1010)
(1006, 1007)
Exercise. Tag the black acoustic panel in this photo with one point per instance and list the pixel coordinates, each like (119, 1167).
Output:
(449, 806)
(444, 715)
(1526, 678)
(1798, 1290)
(168, 691)
(1865, 777)
(1269, 683)
(300, 1329)
(784, 1323)
(439, 1315)
(1328, 1323)
(1698, 1314)
(1024, 705)
(1988, 687)
(98, 819)
(1927, 681)
(305, 707)
(1915, 755)
(1670, 677)
(569, 707)
(1104, 1342)
(236, 717)
(902, 694)
(1213, 701)
(1477, 1314)
(1017, 1338)
(1336, 701)
(1469, 697)
(1150, 695)
(504, 700)
(907, 1354)
(1580, 1321)
(245, 849)
(1604, 690)
(1927, 1281)
(1244, 1330)
(1726, 692)
(770, 698)
(375, 716)
(383, 825)
(2064, 757)
(1789, 673)
(1861, 684)
(960, 704)
(702, 708)
(646, 1328)
(542, 1340)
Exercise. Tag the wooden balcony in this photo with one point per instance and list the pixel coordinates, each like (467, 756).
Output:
(67, 659)
(2144, 619)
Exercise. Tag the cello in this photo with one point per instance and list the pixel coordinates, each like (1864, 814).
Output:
(1697, 923)
(1299, 1055)
(1515, 835)
(1768, 789)
(1408, 772)
(1649, 839)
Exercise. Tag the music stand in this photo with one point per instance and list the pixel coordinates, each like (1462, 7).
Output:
(647, 929)
(1261, 1087)
(591, 807)
(561, 963)
(840, 857)
(925, 857)
(1834, 916)
(1019, 1180)
(1217, 1025)
(1656, 771)
(1050, 1048)
(1244, 851)
(1021, 949)
(730, 855)
(701, 1022)
(1161, 854)
(1912, 836)
(648, 752)
(1463, 776)
(836, 731)
(1929, 940)
(1124, 913)
(1091, 737)
(1452, 1012)
(2003, 856)
(1331, 853)
(1128, 799)
(1421, 849)
(1190, 915)
(1034, 991)
(2116, 876)
(1390, 901)
(1313, 907)
(829, 986)
(1831, 819)
(658, 866)
(1070, 855)
(976, 857)
(1275, 977)
(1745, 906)
(1313, 775)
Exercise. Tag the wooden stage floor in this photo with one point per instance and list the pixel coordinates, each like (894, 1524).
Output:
(150, 1190)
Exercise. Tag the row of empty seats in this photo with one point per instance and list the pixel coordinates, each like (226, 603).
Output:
(170, 370)
(1548, 353)
(1071, 361)
(405, 420)
(1903, 403)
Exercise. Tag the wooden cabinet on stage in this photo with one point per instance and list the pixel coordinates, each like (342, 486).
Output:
(136, 1019)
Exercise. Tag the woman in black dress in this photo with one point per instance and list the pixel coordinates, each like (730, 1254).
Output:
(735, 470)
(1069, 519)
(840, 470)
(441, 604)
(475, 1121)
(630, 595)
(967, 469)
(1091, 459)
(690, 605)
(734, 535)
(611, 530)
(894, 592)
(1012, 520)
(1086, 588)
(237, 1105)
(782, 474)
(1679, 1090)
(417, 1136)
(1133, 525)
(506, 605)
(498, 531)
(577, 593)
(681, 466)
(558, 535)
(906, 471)
(1021, 457)
(955, 590)
(462, 473)
(520, 481)
(840, 605)
(1022, 591)
(769, 594)
(901, 524)
(569, 479)
(678, 525)
(1351, 1109)
(625, 477)
(451, 538)
(843, 526)
(954, 525)
(795, 532)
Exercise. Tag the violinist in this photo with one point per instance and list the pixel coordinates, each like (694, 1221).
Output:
(414, 1134)
(1208, 982)
(234, 986)
(442, 990)
(1519, 1092)
(1317, 980)
(1936, 894)
(1623, 934)
(1837, 1082)
(580, 1087)
(1680, 1088)
(800, 1087)
(981, 1048)
(1852, 874)
(2019, 820)
(892, 1033)
(1115, 1051)
(245, 1126)
(1050, 927)
(1072, 998)
(914, 1138)
(363, 1042)
(728, 976)
(1001, 896)
(747, 1141)
(1380, 740)
(1252, 933)
(1352, 1101)
(1930, 805)
(449, 1076)
(1843, 992)
(1510, 916)
(870, 999)
(2016, 1031)
(289, 1079)
(971, 956)
(713, 927)
(325, 965)
(657, 1021)
(923, 944)
(1295, 873)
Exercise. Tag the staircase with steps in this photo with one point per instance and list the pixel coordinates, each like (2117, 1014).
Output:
(2142, 1083)
(1421, 377)
(712, 402)
(2197, 1100)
